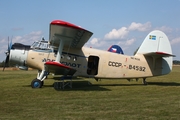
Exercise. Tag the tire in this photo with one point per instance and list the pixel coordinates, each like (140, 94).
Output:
(36, 83)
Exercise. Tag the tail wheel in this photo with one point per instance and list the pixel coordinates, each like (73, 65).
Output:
(36, 83)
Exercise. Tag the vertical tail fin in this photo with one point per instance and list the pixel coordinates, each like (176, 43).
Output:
(157, 50)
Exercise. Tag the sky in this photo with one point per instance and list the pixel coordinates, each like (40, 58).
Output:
(122, 22)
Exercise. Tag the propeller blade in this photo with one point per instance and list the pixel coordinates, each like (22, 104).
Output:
(6, 62)
(7, 53)
(9, 44)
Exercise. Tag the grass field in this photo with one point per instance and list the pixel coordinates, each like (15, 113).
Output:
(103, 100)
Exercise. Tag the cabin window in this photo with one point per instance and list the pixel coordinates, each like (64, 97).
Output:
(93, 62)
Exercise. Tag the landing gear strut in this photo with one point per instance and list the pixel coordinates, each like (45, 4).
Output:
(39, 81)
(144, 81)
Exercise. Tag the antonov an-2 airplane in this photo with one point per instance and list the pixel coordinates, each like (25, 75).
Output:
(65, 55)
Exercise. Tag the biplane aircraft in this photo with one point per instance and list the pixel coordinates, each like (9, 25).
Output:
(64, 54)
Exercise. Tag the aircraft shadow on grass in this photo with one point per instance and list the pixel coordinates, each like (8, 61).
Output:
(149, 84)
(77, 86)
(164, 83)
(88, 86)
(81, 86)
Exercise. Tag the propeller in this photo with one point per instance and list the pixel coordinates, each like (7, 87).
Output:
(7, 53)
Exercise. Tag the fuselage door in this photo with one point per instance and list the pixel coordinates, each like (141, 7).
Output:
(93, 63)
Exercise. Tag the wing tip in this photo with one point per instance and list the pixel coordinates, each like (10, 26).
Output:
(67, 24)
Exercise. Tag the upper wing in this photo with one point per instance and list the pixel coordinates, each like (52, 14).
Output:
(72, 35)
(65, 35)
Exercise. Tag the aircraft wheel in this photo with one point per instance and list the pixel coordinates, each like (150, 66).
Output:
(36, 83)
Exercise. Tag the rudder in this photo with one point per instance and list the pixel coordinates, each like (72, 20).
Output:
(157, 46)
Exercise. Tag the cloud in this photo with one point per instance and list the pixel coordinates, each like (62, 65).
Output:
(117, 34)
(3, 40)
(121, 33)
(129, 42)
(3, 49)
(164, 29)
(97, 43)
(28, 38)
(139, 26)
(17, 29)
(175, 41)
(94, 41)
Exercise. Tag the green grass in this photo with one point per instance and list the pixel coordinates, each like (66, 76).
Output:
(103, 100)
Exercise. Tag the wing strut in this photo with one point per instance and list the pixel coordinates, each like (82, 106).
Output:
(60, 48)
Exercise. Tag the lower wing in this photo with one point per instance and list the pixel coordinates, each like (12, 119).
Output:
(58, 68)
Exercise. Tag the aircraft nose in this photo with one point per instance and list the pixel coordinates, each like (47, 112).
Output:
(18, 55)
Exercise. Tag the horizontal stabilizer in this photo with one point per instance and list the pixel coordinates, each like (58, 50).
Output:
(58, 68)
(160, 54)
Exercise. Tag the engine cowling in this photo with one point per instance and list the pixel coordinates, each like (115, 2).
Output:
(18, 54)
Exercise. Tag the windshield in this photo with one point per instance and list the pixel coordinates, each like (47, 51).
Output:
(40, 45)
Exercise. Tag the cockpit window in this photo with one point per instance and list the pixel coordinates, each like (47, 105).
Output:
(40, 45)
(43, 45)
(34, 45)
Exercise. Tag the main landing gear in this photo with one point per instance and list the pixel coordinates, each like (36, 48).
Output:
(36, 83)
(144, 81)
(39, 81)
